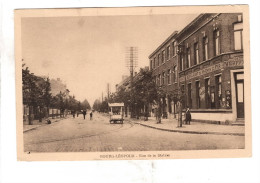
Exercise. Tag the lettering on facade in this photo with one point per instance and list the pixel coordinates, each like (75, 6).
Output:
(222, 65)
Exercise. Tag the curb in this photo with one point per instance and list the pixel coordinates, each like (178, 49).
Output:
(191, 132)
(44, 124)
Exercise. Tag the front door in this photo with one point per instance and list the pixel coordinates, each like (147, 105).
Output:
(240, 95)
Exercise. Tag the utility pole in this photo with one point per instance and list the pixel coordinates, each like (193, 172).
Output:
(131, 63)
(108, 91)
(179, 94)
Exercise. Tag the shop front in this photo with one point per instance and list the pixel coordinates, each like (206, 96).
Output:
(214, 91)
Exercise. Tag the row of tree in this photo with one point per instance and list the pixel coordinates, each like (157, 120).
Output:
(37, 95)
(144, 92)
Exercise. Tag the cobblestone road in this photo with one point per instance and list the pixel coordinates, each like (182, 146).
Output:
(79, 135)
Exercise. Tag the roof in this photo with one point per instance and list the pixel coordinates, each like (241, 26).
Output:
(190, 24)
(193, 22)
(161, 45)
(116, 104)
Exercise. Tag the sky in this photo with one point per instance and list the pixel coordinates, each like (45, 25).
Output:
(88, 52)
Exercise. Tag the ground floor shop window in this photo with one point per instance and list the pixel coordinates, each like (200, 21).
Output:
(169, 105)
(189, 96)
(198, 94)
(218, 91)
(207, 93)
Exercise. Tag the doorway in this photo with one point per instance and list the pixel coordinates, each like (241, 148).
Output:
(239, 84)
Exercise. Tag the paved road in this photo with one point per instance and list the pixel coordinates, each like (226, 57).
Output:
(79, 135)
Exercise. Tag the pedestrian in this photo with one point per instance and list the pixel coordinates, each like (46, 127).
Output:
(73, 113)
(188, 116)
(91, 114)
(84, 113)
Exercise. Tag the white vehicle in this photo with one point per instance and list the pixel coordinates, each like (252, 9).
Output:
(116, 112)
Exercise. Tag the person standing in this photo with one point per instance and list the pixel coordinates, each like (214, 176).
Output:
(84, 113)
(188, 116)
(91, 114)
(73, 113)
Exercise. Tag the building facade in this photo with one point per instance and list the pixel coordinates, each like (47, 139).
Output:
(210, 66)
(163, 63)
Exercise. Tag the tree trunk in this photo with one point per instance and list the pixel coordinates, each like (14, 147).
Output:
(30, 116)
(180, 114)
(159, 112)
(40, 115)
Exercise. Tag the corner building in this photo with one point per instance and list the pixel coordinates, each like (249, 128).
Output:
(205, 62)
(211, 67)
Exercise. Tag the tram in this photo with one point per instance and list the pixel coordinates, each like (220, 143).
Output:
(116, 112)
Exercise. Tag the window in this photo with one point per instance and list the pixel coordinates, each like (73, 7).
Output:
(154, 62)
(158, 60)
(159, 79)
(205, 48)
(168, 52)
(181, 63)
(154, 79)
(169, 76)
(189, 96)
(207, 93)
(151, 64)
(175, 74)
(163, 56)
(198, 93)
(238, 36)
(163, 78)
(174, 50)
(218, 91)
(196, 53)
(216, 42)
(188, 58)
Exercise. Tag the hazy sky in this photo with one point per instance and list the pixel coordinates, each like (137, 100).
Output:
(89, 52)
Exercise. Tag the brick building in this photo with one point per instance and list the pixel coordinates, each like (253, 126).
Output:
(210, 67)
(163, 63)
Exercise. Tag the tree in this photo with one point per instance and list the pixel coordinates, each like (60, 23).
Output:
(144, 91)
(85, 104)
(97, 104)
(47, 94)
(33, 88)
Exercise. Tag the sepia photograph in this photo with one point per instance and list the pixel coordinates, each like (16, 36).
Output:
(133, 83)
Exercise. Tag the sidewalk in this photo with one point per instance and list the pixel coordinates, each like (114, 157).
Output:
(171, 125)
(37, 124)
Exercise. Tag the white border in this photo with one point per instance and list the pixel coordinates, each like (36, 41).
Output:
(197, 170)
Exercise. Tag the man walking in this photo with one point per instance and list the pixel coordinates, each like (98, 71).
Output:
(84, 113)
(188, 116)
(73, 113)
(91, 114)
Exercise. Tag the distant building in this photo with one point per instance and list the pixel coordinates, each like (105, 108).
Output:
(124, 84)
(57, 86)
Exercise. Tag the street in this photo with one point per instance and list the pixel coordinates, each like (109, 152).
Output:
(79, 135)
